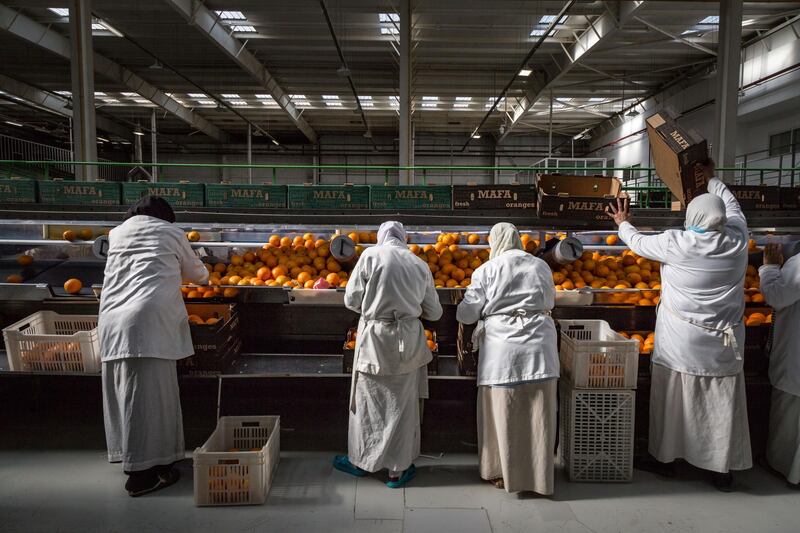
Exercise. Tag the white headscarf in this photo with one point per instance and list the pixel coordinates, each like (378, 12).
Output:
(705, 213)
(393, 233)
(504, 237)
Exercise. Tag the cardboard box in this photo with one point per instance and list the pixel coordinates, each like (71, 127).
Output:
(577, 197)
(790, 197)
(477, 197)
(757, 197)
(432, 197)
(678, 156)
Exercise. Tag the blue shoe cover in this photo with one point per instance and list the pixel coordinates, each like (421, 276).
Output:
(407, 476)
(343, 464)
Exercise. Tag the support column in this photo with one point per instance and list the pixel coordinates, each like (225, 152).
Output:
(406, 135)
(82, 71)
(249, 153)
(727, 93)
(153, 146)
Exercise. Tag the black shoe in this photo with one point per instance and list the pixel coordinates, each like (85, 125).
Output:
(793, 486)
(150, 480)
(652, 465)
(722, 482)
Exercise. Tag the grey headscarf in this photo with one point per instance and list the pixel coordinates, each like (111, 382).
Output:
(392, 232)
(705, 213)
(504, 237)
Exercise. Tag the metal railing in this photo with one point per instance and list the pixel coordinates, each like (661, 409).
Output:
(641, 183)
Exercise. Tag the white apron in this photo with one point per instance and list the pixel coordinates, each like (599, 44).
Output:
(783, 446)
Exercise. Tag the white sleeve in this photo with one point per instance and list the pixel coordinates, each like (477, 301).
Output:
(192, 269)
(653, 247)
(733, 211)
(781, 286)
(470, 309)
(356, 285)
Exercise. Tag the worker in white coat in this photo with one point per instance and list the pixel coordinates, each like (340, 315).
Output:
(781, 289)
(144, 329)
(511, 297)
(698, 408)
(392, 289)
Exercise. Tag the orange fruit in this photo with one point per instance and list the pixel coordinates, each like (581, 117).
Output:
(85, 234)
(646, 302)
(280, 279)
(275, 240)
(193, 236)
(568, 285)
(73, 286)
(230, 292)
(236, 260)
(14, 278)
(249, 257)
(24, 260)
(612, 240)
(333, 279)
(323, 250)
(303, 277)
(757, 298)
(473, 239)
(234, 280)
(431, 345)
(194, 294)
(279, 271)
(751, 245)
(428, 334)
(458, 275)
(69, 235)
(219, 267)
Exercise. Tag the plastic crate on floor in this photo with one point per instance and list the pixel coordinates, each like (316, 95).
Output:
(594, 356)
(597, 433)
(237, 463)
(49, 342)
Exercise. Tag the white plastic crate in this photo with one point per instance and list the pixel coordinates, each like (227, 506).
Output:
(597, 433)
(594, 356)
(236, 464)
(49, 342)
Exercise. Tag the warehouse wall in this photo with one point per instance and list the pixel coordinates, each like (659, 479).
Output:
(430, 150)
(766, 108)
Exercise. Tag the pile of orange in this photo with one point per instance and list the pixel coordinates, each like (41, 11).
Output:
(200, 321)
(430, 340)
(757, 318)
(646, 341)
(624, 271)
(752, 286)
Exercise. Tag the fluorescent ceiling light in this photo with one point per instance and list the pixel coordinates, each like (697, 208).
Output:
(710, 21)
(330, 97)
(111, 100)
(333, 104)
(264, 97)
(388, 17)
(525, 72)
(389, 31)
(107, 27)
(596, 100)
(141, 101)
(237, 102)
(271, 103)
(206, 102)
(302, 103)
(276, 143)
(297, 96)
(138, 131)
(196, 95)
(130, 95)
(476, 136)
(230, 95)
(748, 22)
(102, 139)
(230, 15)
(64, 93)
(429, 104)
(388, 23)
(13, 123)
(459, 105)
(99, 94)
(366, 104)
(430, 98)
(547, 19)
(565, 99)
(365, 98)
(463, 98)
(60, 11)
(243, 28)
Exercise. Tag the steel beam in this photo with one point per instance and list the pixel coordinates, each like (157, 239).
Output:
(208, 24)
(57, 105)
(406, 135)
(28, 29)
(677, 38)
(598, 32)
(727, 91)
(84, 132)
(153, 146)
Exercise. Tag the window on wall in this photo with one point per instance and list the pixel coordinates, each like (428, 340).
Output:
(782, 143)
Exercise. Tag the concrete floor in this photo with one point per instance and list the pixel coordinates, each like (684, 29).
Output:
(66, 491)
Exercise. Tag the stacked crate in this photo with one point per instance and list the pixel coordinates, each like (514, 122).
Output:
(597, 401)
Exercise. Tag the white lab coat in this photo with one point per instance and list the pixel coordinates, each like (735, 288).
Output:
(699, 329)
(142, 313)
(781, 289)
(512, 295)
(392, 289)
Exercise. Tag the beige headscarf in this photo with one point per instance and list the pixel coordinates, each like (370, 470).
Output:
(504, 237)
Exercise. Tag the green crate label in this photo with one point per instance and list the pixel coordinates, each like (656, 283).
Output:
(329, 197)
(404, 197)
(178, 194)
(72, 192)
(18, 191)
(254, 196)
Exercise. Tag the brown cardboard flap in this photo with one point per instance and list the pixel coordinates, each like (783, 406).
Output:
(586, 186)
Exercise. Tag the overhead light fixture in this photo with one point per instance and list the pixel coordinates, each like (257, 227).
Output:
(276, 143)
(264, 97)
(333, 104)
(230, 95)
(197, 95)
(230, 15)
(460, 105)
(362, 98)
(525, 72)
(206, 102)
(748, 22)
(330, 97)
(430, 98)
(429, 104)
(13, 123)
(238, 102)
(712, 20)
(243, 28)
(103, 139)
(60, 11)
(463, 98)
(99, 94)
(130, 95)
(476, 135)
(138, 131)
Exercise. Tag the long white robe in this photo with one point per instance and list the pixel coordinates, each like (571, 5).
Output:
(783, 445)
(142, 412)
(392, 289)
(700, 419)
